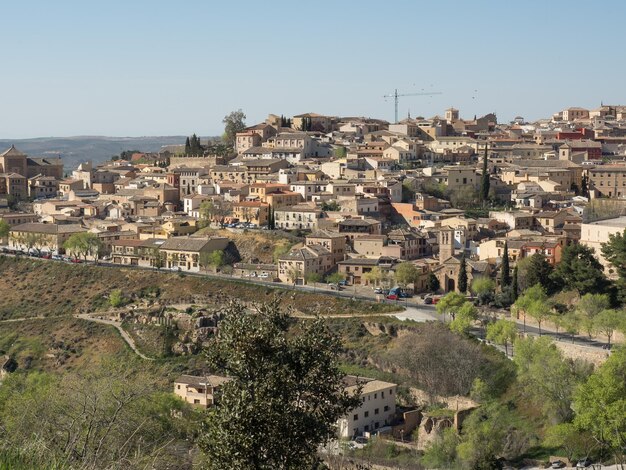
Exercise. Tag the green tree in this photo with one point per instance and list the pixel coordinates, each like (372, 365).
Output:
(608, 321)
(406, 273)
(331, 206)
(535, 270)
(280, 249)
(313, 278)
(505, 270)
(588, 308)
(335, 278)
(441, 452)
(432, 283)
(484, 180)
(450, 304)
(340, 152)
(484, 288)
(462, 280)
(187, 146)
(285, 393)
(580, 270)
(600, 404)
(214, 210)
(215, 259)
(233, 123)
(532, 302)
(293, 274)
(575, 444)
(84, 244)
(5, 228)
(515, 283)
(375, 276)
(614, 251)
(464, 318)
(117, 298)
(546, 377)
(502, 332)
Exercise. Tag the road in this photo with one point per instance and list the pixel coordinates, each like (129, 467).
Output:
(125, 336)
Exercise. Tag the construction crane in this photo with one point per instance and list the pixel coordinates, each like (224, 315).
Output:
(396, 95)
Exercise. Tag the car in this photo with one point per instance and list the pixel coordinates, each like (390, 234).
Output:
(264, 276)
(57, 257)
(392, 297)
(378, 290)
(428, 300)
(335, 286)
(405, 295)
(343, 283)
(76, 260)
(557, 464)
(46, 256)
(583, 463)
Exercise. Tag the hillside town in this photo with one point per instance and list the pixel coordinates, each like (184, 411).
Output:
(362, 196)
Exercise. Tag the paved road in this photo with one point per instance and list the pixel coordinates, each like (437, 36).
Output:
(125, 336)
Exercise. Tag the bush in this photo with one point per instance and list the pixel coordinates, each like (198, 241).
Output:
(116, 298)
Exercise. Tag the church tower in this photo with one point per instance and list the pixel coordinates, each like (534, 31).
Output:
(446, 243)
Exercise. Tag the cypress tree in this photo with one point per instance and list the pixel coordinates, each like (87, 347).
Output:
(505, 270)
(514, 285)
(485, 183)
(187, 146)
(462, 280)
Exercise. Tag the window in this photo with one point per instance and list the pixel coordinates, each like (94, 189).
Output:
(367, 413)
(196, 402)
(355, 417)
(386, 408)
(376, 411)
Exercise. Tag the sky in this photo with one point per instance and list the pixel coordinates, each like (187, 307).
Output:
(137, 68)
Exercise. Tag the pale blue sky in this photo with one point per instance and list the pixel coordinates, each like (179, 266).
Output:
(131, 68)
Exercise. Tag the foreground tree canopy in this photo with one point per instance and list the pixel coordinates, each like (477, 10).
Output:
(285, 396)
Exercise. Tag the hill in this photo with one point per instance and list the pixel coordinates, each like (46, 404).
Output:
(74, 150)
(32, 287)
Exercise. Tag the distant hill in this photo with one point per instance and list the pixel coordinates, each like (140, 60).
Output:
(75, 150)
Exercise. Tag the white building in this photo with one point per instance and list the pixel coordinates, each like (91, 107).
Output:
(378, 407)
(594, 234)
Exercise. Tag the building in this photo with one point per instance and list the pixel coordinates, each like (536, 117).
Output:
(184, 253)
(608, 180)
(42, 237)
(199, 391)
(255, 212)
(332, 241)
(298, 217)
(296, 266)
(594, 234)
(377, 410)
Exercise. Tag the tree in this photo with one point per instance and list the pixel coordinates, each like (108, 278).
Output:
(215, 259)
(539, 311)
(484, 180)
(515, 283)
(271, 221)
(285, 393)
(505, 270)
(117, 298)
(5, 228)
(293, 274)
(313, 278)
(548, 379)
(406, 273)
(502, 332)
(233, 123)
(575, 443)
(483, 287)
(607, 321)
(614, 251)
(335, 278)
(432, 283)
(331, 206)
(579, 269)
(600, 403)
(281, 249)
(214, 210)
(462, 280)
(531, 301)
(589, 306)
(450, 304)
(534, 270)
(84, 244)
(374, 277)
(441, 452)
(187, 146)
(464, 318)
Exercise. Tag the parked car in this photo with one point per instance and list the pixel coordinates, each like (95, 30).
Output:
(76, 260)
(583, 463)
(263, 276)
(558, 464)
(335, 286)
(343, 283)
(392, 297)
(358, 443)
(428, 300)
(378, 290)
(405, 295)
(46, 256)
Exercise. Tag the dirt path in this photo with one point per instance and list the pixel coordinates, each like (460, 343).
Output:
(125, 336)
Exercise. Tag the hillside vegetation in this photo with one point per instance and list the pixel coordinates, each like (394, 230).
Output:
(38, 288)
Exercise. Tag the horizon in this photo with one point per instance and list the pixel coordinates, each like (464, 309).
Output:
(158, 69)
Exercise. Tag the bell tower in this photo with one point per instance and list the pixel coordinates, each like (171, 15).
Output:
(446, 243)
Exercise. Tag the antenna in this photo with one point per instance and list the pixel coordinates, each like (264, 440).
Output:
(395, 95)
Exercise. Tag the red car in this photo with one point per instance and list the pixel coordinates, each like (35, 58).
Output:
(392, 297)
(76, 260)
(48, 256)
